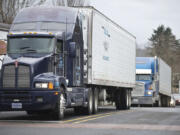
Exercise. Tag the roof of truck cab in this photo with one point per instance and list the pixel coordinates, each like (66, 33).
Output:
(51, 14)
(145, 63)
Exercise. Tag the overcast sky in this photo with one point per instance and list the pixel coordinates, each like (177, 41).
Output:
(140, 17)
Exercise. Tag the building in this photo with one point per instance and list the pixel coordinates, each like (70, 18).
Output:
(4, 28)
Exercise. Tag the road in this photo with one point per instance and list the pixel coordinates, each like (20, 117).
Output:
(145, 121)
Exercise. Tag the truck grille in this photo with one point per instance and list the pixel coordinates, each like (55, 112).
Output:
(9, 76)
(23, 76)
(139, 89)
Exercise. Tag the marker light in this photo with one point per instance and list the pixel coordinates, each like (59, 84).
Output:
(50, 86)
(150, 87)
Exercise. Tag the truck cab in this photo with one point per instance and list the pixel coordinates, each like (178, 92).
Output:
(146, 73)
(43, 59)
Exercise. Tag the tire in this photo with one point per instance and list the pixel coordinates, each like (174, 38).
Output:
(159, 102)
(129, 97)
(60, 108)
(118, 100)
(123, 99)
(127, 100)
(89, 108)
(95, 100)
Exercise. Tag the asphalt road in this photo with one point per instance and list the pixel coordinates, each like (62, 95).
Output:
(143, 121)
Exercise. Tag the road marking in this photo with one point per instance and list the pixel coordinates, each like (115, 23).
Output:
(90, 119)
(93, 117)
(86, 117)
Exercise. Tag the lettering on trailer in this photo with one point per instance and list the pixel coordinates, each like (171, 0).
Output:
(106, 49)
(106, 44)
(106, 32)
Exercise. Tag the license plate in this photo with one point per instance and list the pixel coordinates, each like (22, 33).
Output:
(16, 105)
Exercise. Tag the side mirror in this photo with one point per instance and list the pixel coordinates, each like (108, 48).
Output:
(72, 49)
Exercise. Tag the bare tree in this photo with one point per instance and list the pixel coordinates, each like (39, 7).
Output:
(9, 8)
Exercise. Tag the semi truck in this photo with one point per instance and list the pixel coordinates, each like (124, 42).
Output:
(156, 76)
(61, 57)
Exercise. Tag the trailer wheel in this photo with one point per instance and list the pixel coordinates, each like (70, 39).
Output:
(127, 95)
(95, 101)
(118, 100)
(123, 99)
(129, 99)
(59, 109)
(160, 101)
(89, 108)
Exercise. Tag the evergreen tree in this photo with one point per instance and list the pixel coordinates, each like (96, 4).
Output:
(164, 44)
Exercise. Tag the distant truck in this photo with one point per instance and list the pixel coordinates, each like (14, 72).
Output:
(156, 76)
(60, 58)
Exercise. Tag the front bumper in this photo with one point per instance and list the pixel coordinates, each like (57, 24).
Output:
(27, 100)
(142, 100)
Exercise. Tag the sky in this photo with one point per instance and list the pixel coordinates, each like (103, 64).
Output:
(141, 17)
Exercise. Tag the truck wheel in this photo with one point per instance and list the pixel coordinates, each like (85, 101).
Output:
(118, 100)
(95, 101)
(129, 97)
(89, 108)
(159, 102)
(59, 109)
(123, 99)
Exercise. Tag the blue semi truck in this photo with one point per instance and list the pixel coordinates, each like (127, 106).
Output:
(60, 57)
(153, 82)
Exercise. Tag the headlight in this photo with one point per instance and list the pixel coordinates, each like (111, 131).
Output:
(44, 85)
(149, 92)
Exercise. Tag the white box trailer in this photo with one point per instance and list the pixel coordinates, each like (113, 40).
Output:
(164, 75)
(111, 51)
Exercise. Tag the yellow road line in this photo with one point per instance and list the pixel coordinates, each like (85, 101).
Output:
(105, 115)
(85, 117)
(91, 119)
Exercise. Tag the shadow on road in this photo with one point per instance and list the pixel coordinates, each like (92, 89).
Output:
(69, 114)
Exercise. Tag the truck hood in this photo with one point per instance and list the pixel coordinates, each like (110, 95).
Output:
(37, 65)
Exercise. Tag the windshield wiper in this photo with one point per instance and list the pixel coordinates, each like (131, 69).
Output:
(26, 47)
(31, 51)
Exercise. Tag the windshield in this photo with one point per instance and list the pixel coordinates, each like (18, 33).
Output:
(143, 77)
(30, 45)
